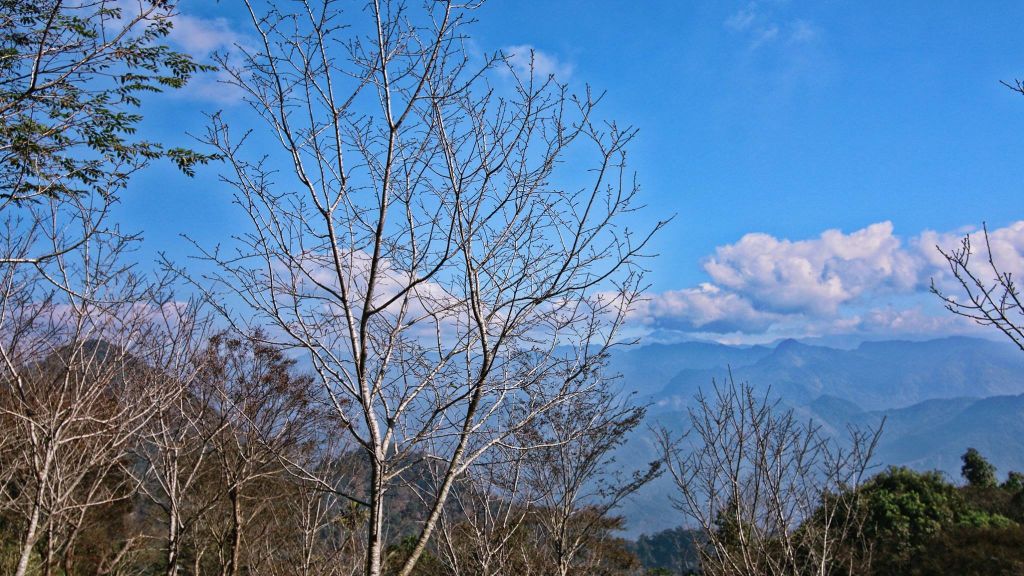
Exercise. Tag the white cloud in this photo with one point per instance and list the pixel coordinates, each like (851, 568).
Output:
(524, 57)
(814, 276)
(869, 281)
(909, 322)
(1007, 247)
(705, 308)
(760, 24)
(426, 299)
(201, 36)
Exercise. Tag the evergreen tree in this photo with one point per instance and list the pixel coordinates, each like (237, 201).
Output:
(977, 470)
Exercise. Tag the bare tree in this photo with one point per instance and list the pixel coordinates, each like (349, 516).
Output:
(269, 415)
(76, 395)
(771, 494)
(481, 528)
(549, 509)
(576, 484)
(178, 445)
(312, 531)
(76, 324)
(217, 451)
(988, 294)
(412, 230)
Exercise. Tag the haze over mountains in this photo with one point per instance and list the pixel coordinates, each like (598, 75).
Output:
(936, 397)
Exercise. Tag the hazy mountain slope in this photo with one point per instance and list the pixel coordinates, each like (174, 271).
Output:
(875, 376)
(647, 369)
(937, 398)
(933, 435)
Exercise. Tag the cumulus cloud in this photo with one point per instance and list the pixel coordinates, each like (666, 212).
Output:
(705, 308)
(1006, 244)
(815, 276)
(893, 321)
(425, 299)
(869, 281)
(524, 57)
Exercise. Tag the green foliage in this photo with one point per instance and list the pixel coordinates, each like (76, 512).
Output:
(973, 551)
(1014, 482)
(902, 510)
(981, 519)
(977, 470)
(670, 552)
(920, 523)
(72, 76)
(905, 506)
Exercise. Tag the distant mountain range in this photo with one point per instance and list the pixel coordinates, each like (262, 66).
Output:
(937, 398)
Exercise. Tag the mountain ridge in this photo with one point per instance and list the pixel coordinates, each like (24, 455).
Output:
(936, 397)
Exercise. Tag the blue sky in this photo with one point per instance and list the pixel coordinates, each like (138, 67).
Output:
(763, 126)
